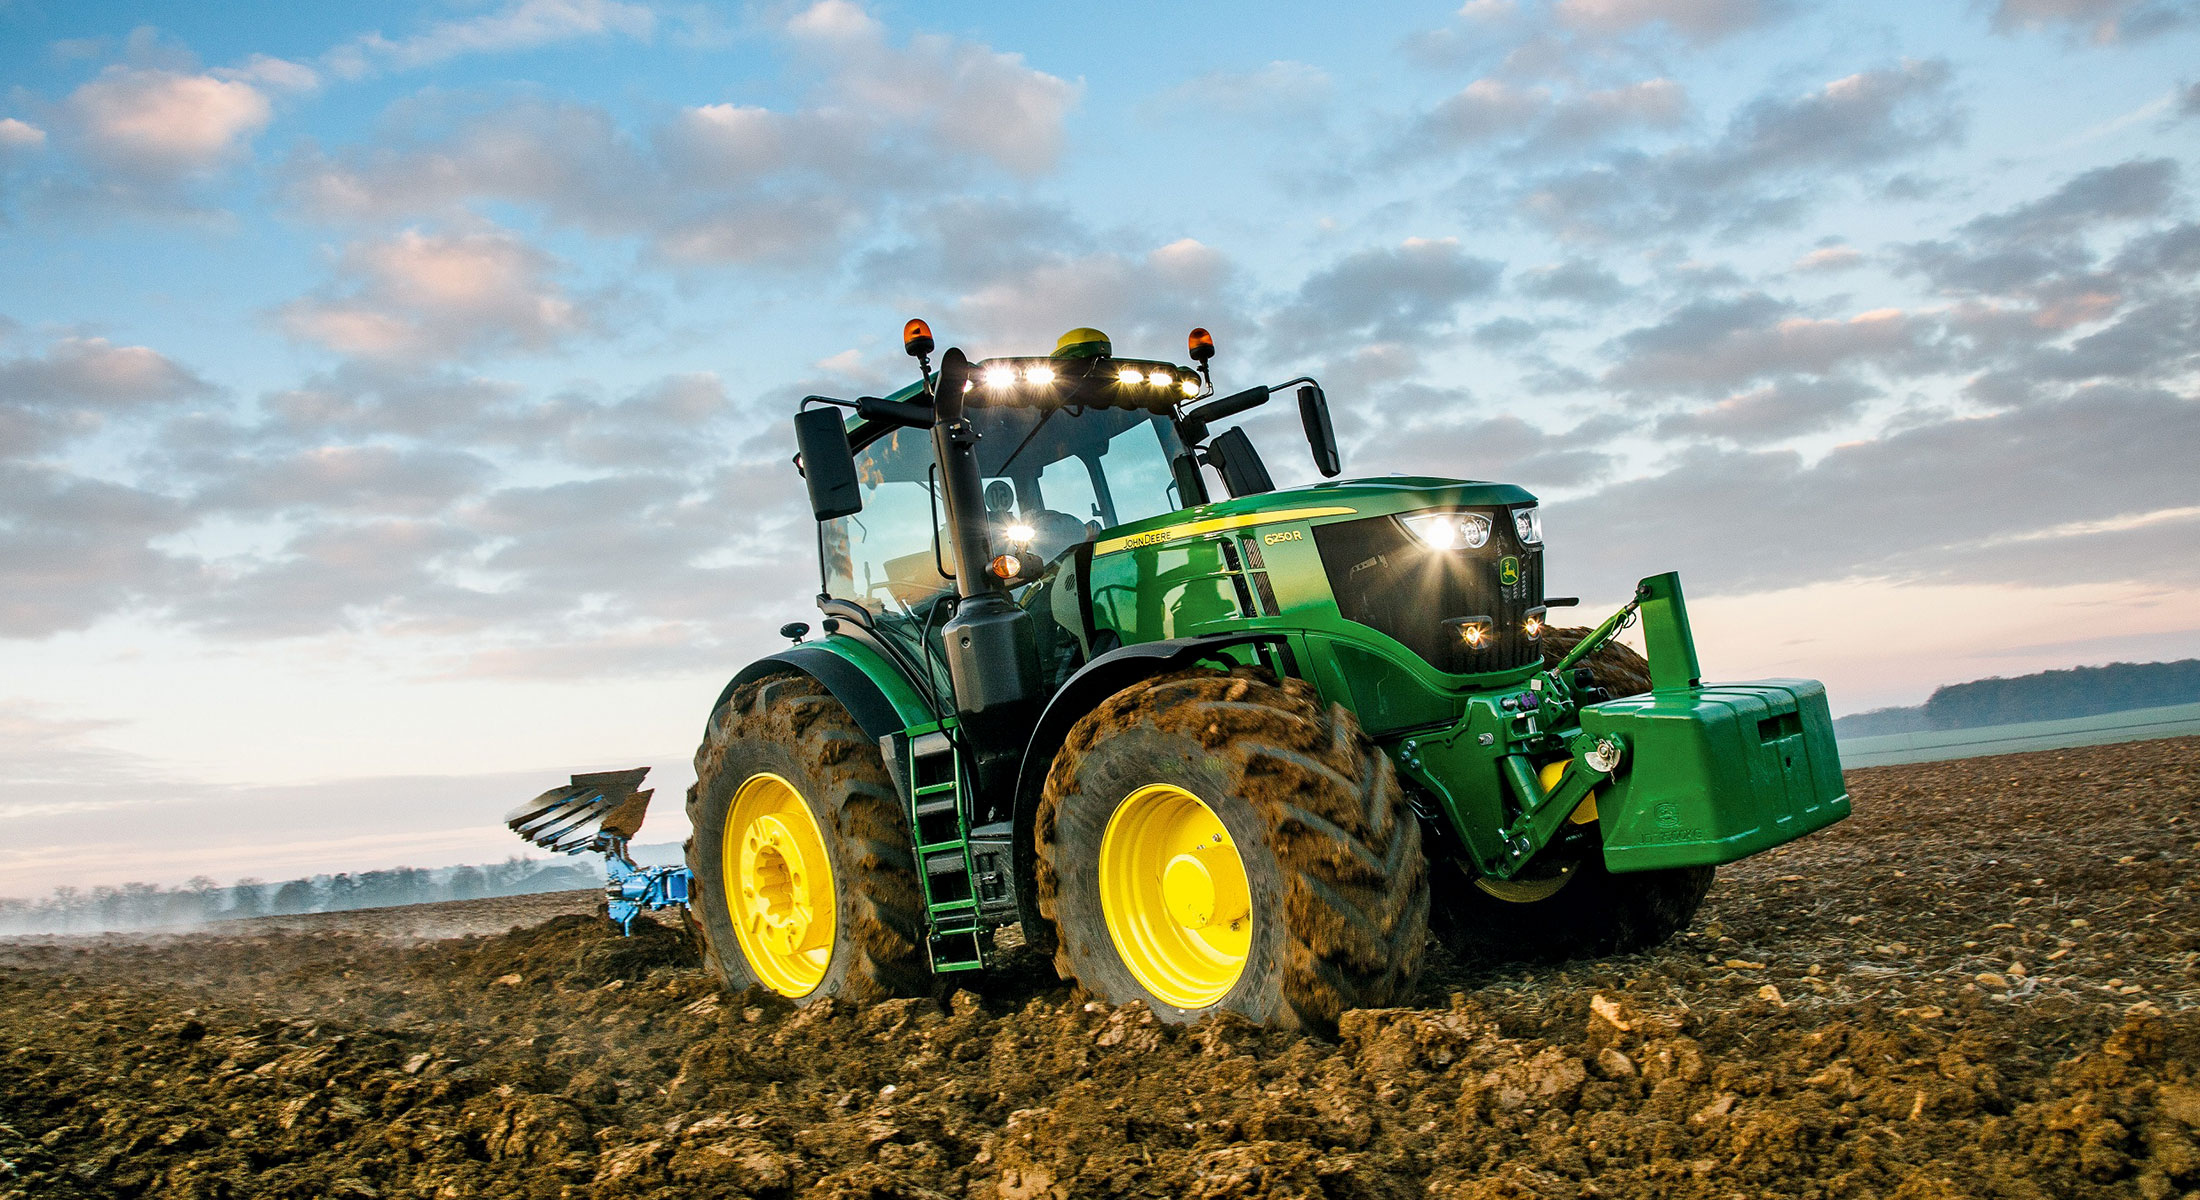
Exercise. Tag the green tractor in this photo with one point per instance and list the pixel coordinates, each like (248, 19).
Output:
(1213, 748)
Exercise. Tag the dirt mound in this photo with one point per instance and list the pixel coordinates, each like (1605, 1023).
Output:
(578, 950)
(1987, 983)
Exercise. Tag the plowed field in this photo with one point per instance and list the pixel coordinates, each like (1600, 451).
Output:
(1986, 983)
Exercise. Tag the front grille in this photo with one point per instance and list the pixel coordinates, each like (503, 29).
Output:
(1387, 580)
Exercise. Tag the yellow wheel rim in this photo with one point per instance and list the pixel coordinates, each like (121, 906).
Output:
(778, 885)
(1174, 893)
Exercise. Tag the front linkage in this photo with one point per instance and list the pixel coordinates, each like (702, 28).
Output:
(1686, 775)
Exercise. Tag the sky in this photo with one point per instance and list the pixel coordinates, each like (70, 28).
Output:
(394, 399)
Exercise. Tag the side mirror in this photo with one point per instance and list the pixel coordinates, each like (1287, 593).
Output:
(1320, 434)
(828, 465)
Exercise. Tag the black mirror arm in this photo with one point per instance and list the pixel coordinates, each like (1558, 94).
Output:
(1192, 427)
(905, 413)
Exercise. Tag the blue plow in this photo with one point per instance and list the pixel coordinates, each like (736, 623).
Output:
(601, 813)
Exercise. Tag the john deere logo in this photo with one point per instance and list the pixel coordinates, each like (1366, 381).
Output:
(1508, 570)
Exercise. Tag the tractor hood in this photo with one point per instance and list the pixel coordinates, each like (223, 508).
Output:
(1341, 499)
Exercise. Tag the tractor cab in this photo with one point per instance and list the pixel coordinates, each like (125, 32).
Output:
(1066, 448)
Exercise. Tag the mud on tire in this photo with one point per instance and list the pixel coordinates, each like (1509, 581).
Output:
(1594, 913)
(1339, 888)
(790, 726)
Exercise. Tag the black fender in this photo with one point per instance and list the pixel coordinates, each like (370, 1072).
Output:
(863, 699)
(1094, 682)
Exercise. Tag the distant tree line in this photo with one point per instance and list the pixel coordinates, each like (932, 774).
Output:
(201, 899)
(2045, 696)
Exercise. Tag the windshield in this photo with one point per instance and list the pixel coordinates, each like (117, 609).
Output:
(1063, 474)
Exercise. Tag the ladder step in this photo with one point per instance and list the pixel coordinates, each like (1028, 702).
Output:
(956, 951)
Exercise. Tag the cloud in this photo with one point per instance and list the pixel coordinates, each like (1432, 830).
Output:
(73, 550)
(717, 183)
(966, 241)
(517, 25)
(1711, 345)
(1577, 280)
(1506, 332)
(17, 135)
(1145, 300)
(374, 480)
(276, 74)
(1283, 91)
(2030, 276)
(1758, 170)
(1414, 428)
(330, 576)
(422, 296)
(1492, 109)
(39, 750)
(377, 499)
(1826, 259)
(963, 97)
(77, 384)
(162, 125)
(2103, 22)
(1963, 499)
(2126, 191)
(1392, 293)
(1772, 412)
(1696, 20)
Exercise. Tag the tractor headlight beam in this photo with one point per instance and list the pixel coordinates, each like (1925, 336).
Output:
(1449, 531)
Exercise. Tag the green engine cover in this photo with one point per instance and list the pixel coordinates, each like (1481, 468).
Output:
(1717, 772)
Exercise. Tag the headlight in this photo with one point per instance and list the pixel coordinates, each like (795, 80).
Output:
(1449, 531)
(1529, 523)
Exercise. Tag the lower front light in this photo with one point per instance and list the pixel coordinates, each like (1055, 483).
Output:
(1476, 633)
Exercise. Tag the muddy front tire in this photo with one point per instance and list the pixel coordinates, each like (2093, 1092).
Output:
(1593, 913)
(1213, 841)
(803, 877)
(1568, 906)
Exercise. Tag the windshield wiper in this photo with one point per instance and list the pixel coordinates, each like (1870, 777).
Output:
(1034, 433)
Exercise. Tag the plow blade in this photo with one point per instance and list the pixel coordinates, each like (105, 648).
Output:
(568, 820)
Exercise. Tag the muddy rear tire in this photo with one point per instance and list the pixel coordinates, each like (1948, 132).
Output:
(1334, 887)
(1592, 912)
(789, 728)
